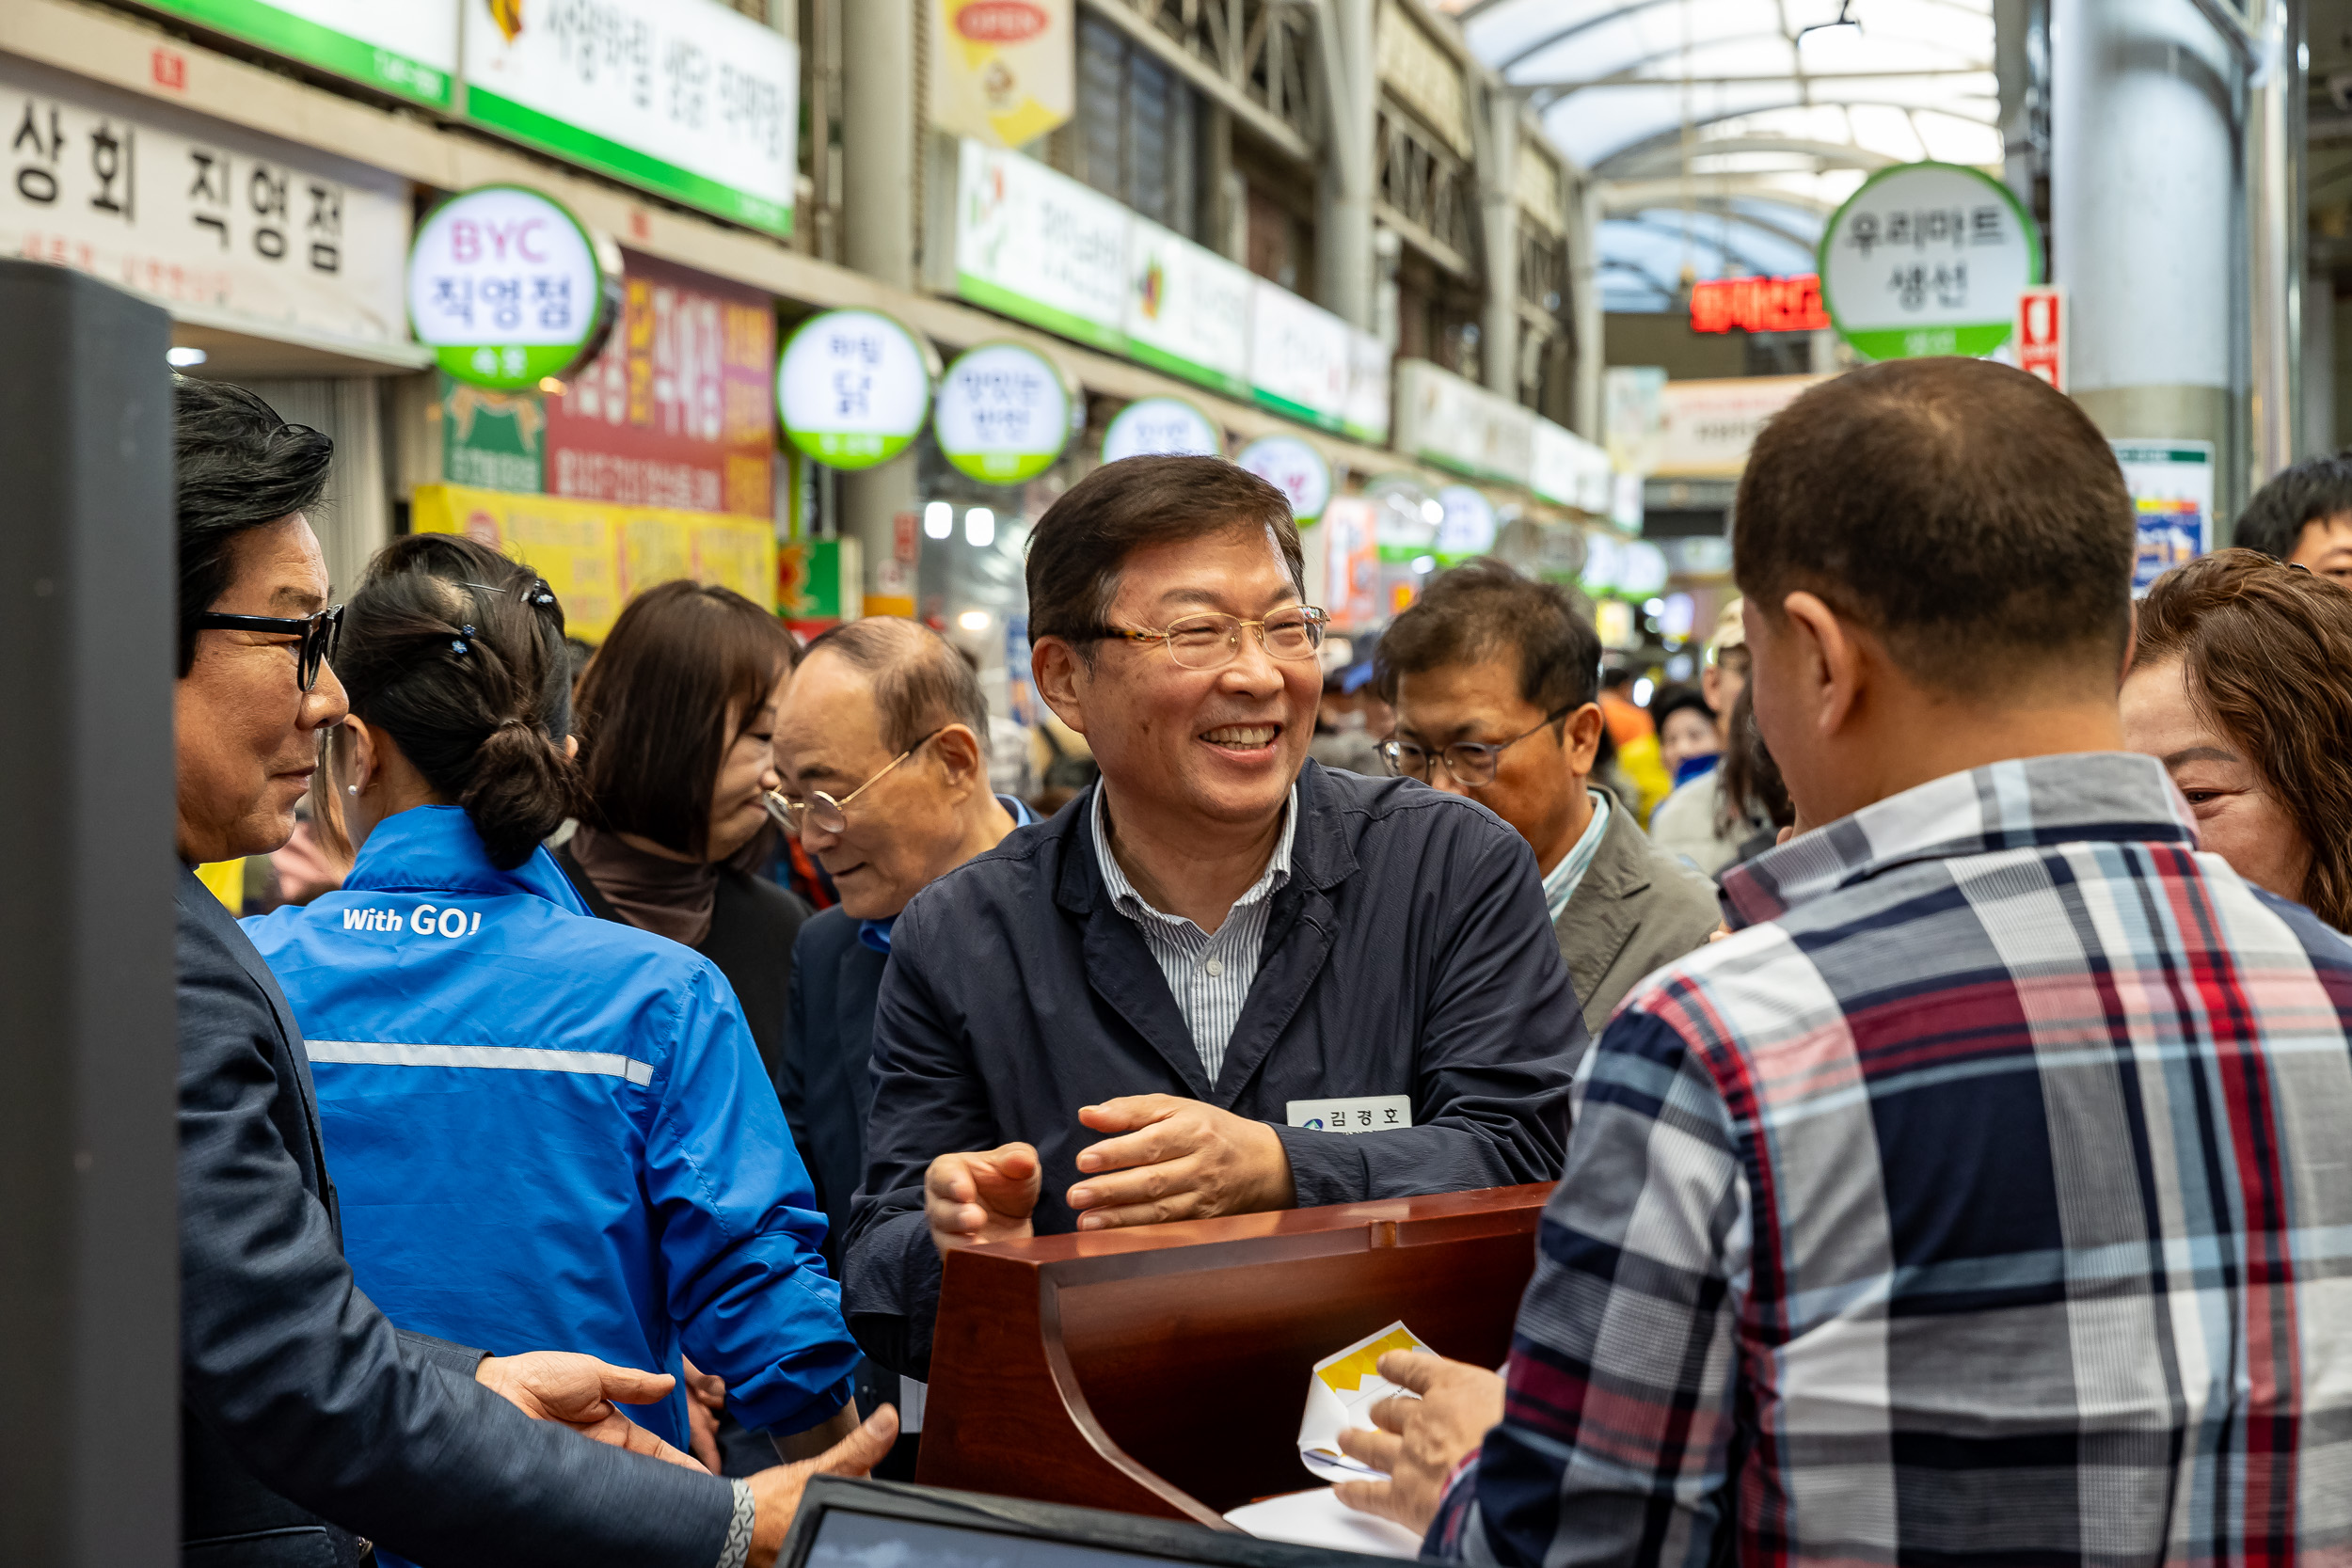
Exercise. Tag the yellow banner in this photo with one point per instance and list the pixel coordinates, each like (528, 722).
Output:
(597, 555)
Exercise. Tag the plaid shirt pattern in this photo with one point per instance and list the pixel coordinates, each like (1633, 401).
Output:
(1986, 1198)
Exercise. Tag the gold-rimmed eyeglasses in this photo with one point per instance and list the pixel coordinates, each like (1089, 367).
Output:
(831, 815)
(1211, 641)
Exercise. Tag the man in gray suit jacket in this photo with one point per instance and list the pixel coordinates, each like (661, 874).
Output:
(308, 1421)
(1495, 679)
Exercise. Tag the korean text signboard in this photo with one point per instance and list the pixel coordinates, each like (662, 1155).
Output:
(1003, 71)
(203, 218)
(597, 556)
(1041, 247)
(1003, 414)
(854, 388)
(677, 410)
(505, 285)
(1927, 259)
(687, 98)
(1153, 426)
(2171, 484)
(408, 49)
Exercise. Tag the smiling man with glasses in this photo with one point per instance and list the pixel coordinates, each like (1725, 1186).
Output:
(1224, 978)
(1495, 680)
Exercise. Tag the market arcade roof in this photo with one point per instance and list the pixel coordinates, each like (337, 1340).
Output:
(1727, 131)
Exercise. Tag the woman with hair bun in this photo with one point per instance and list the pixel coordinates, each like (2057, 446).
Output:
(548, 1129)
(2241, 684)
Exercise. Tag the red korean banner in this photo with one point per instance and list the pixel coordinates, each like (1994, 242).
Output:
(679, 409)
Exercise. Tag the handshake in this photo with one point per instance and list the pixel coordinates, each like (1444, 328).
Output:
(1167, 1159)
(583, 1393)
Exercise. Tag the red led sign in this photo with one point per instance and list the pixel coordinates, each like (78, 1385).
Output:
(1758, 305)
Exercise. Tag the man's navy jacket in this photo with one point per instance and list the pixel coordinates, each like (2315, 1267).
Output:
(1410, 953)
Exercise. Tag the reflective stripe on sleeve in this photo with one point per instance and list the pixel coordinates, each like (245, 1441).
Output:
(599, 1063)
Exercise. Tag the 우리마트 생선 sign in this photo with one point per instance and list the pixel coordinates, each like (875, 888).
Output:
(854, 388)
(505, 285)
(1003, 413)
(1927, 259)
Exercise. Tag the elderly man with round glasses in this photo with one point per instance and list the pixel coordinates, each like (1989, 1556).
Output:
(1223, 979)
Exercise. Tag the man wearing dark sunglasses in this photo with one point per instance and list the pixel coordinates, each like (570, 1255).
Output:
(1224, 979)
(1495, 680)
(308, 1421)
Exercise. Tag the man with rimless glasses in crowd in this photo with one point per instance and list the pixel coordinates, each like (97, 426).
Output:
(1496, 681)
(1222, 979)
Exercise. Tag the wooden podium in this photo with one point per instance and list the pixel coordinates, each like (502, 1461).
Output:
(1163, 1370)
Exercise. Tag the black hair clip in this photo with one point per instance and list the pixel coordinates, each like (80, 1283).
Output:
(460, 645)
(540, 593)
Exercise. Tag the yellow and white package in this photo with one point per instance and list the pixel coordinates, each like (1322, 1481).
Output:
(1340, 1396)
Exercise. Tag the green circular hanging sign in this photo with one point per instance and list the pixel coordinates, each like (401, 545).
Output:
(854, 388)
(1003, 413)
(507, 288)
(1927, 259)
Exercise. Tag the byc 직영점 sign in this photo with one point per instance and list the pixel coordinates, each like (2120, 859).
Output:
(1927, 259)
(1003, 414)
(854, 388)
(507, 288)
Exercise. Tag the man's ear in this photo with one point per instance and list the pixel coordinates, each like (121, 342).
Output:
(1582, 738)
(1831, 664)
(958, 751)
(1061, 678)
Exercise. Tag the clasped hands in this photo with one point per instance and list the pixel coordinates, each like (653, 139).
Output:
(1168, 1158)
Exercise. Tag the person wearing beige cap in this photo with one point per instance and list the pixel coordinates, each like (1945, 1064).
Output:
(1696, 821)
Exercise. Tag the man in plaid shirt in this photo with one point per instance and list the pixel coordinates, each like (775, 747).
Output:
(1984, 1198)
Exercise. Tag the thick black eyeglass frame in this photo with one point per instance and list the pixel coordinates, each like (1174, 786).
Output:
(318, 633)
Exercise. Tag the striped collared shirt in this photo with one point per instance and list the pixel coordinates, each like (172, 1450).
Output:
(1209, 974)
(1564, 879)
(1981, 1201)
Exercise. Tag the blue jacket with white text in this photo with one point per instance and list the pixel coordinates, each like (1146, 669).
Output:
(552, 1132)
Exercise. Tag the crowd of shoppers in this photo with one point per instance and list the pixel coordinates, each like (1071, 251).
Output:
(1972, 1197)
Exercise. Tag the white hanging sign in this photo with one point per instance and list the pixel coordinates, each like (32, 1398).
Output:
(1294, 467)
(1161, 426)
(1003, 414)
(689, 98)
(852, 387)
(1467, 524)
(505, 285)
(1927, 259)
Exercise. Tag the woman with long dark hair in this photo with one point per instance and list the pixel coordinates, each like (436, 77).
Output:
(548, 1129)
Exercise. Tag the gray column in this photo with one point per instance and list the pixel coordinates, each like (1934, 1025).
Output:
(1351, 176)
(2144, 182)
(2319, 364)
(89, 1246)
(1499, 210)
(1584, 211)
(880, 155)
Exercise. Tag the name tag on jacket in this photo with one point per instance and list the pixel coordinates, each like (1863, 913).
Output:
(1369, 1112)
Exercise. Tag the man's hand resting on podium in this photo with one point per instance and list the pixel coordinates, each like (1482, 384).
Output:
(1420, 1442)
(1179, 1160)
(972, 1198)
